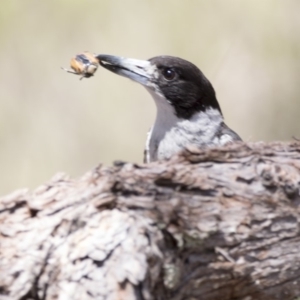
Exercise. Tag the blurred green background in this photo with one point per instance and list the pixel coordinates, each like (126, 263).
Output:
(50, 121)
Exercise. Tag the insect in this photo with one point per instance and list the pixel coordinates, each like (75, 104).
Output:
(84, 64)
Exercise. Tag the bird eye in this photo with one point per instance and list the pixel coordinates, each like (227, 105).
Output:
(169, 74)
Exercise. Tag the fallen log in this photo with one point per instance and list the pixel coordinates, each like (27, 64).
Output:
(216, 224)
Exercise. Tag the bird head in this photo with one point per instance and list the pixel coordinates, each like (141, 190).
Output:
(175, 84)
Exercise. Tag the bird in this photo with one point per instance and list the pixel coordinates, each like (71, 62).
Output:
(188, 112)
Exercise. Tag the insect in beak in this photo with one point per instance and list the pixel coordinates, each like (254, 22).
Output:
(84, 64)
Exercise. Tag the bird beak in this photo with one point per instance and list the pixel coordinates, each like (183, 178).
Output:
(140, 71)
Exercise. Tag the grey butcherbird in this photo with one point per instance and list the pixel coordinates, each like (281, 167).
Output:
(187, 108)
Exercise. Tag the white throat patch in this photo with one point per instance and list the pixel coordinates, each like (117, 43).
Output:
(171, 134)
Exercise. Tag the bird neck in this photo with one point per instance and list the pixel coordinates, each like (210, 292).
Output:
(165, 115)
(169, 129)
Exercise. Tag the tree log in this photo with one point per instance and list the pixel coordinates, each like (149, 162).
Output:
(220, 223)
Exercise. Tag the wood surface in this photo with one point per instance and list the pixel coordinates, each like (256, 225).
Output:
(215, 224)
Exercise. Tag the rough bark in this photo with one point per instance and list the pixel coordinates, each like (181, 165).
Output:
(215, 224)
